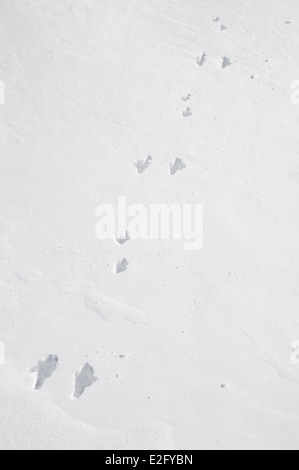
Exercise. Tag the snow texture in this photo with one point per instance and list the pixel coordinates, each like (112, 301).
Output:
(167, 102)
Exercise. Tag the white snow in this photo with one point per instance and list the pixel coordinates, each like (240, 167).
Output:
(191, 350)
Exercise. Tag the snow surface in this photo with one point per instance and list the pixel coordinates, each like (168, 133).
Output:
(191, 350)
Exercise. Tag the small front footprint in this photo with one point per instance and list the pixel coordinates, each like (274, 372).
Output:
(178, 165)
(186, 98)
(121, 266)
(83, 379)
(44, 370)
(201, 59)
(142, 165)
(123, 238)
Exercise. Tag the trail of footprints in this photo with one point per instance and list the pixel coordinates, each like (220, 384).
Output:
(177, 165)
(44, 369)
(222, 27)
(85, 376)
(142, 165)
(122, 265)
(225, 61)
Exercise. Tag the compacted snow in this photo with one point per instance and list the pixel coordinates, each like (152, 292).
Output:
(142, 344)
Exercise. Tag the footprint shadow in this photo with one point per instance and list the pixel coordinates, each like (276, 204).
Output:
(178, 165)
(121, 266)
(187, 112)
(186, 98)
(225, 62)
(142, 165)
(44, 370)
(83, 379)
(123, 238)
(201, 59)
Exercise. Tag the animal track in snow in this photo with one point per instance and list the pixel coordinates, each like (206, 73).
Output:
(178, 165)
(44, 370)
(223, 27)
(187, 112)
(225, 62)
(201, 59)
(83, 379)
(121, 266)
(142, 165)
(216, 20)
(123, 239)
(186, 98)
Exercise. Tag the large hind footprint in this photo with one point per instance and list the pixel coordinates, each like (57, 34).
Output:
(225, 62)
(187, 112)
(83, 379)
(44, 370)
(178, 165)
(143, 165)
